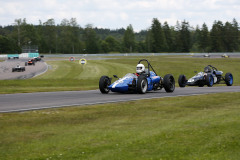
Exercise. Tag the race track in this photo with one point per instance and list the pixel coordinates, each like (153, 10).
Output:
(31, 71)
(41, 100)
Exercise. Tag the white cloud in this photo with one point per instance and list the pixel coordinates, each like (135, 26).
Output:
(117, 14)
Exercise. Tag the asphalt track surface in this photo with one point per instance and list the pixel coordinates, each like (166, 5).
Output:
(31, 71)
(43, 100)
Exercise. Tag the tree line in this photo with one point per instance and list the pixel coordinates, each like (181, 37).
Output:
(69, 38)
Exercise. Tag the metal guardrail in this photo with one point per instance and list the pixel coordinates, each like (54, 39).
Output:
(135, 54)
(127, 54)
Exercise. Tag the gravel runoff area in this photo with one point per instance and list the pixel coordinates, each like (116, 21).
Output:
(30, 70)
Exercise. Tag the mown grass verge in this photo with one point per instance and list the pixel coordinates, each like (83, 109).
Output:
(195, 127)
(65, 75)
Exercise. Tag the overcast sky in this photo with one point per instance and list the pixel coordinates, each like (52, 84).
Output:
(114, 14)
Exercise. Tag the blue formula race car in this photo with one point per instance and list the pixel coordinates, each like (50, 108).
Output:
(210, 76)
(145, 79)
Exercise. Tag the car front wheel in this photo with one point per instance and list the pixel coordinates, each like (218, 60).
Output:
(142, 85)
(209, 80)
(104, 82)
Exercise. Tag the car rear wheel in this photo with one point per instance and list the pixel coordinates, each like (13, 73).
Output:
(209, 80)
(229, 79)
(142, 85)
(104, 82)
(182, 80)
(169, 83)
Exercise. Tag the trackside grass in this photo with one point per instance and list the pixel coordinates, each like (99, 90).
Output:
(65, 75)
(196, 127)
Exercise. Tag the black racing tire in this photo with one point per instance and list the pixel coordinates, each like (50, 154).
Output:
(209, 80)
(13, 70)
(182, 80)
(169, 83)
(229, 79)
(104, 82)
(142, 85)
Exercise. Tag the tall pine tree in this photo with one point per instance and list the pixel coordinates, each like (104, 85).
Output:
(129, 39)
(158, 38)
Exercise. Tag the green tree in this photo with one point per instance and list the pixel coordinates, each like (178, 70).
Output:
(185, 37)
(76, 43)
(195, 40)
(105, 47)
(228, 37)
(129, 39)
(216, 36)
(235, 33)
(141, 47)
(231, 36)
(18, 30)
(177, 38)
(149, 41)
(204, 39)
(158, 38)
(69, 36)
(91, 40)
(113, 44)
(7, 45)
(48, 37)
(24, 34)
(169, 37)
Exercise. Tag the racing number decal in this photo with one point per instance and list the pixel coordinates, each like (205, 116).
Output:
(71, 59)
(82, 61)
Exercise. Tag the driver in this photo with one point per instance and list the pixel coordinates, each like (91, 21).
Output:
(140, 69)
(207, 69)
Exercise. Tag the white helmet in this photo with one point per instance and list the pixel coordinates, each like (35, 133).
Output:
(140, 68)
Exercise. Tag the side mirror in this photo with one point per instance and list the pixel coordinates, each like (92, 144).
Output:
(115, 76)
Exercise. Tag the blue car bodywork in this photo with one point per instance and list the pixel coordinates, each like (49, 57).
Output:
(210, 77)
(146, 81)
(126, 83)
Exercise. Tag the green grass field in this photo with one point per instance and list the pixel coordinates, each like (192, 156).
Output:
(65, 75)
(179, 128)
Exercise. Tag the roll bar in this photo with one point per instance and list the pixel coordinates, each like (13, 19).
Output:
(149, 65)
(213, 67)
